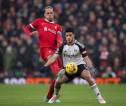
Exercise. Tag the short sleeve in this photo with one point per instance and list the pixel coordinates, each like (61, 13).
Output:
(82, 48)
(35, 23)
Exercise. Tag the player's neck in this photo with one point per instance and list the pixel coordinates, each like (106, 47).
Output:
(71, 43)
(49, 21)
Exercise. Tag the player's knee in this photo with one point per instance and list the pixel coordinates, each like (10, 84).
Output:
(87, 76)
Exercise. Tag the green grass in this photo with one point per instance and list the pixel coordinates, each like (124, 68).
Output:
(71, 95)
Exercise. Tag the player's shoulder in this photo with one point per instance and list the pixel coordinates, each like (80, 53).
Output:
(58, 25)
(39, 19)
(79, 44)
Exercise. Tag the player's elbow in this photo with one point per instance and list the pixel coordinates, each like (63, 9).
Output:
(27, 30)
(59, 44)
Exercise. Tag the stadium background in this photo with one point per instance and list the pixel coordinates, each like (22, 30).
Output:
(100, 24)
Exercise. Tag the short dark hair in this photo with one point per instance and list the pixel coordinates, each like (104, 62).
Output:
(70, 30)
(48, 7)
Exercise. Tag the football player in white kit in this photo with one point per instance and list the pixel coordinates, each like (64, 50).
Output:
(76, 52)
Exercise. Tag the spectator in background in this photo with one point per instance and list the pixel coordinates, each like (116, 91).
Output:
(104, 57)
(122, 74)
(9, 58)
(102, 20)
(109, 73)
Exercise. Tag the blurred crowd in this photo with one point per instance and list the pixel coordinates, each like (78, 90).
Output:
(99, 24)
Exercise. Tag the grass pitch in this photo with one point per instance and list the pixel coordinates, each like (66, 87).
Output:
(71, 95)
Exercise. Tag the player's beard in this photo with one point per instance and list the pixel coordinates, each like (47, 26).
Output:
(70, 41)
(51, 19)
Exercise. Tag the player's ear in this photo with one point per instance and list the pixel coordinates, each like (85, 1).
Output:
(44, 14)
(73, 34)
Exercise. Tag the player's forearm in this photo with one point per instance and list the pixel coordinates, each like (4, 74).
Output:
(28, 31)
(88, 61)
(59, 37)
(90, 66)
(59, 41)
(51, 60)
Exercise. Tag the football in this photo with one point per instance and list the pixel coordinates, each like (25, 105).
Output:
(71, 68)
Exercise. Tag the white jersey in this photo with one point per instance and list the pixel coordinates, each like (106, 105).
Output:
(74, 53)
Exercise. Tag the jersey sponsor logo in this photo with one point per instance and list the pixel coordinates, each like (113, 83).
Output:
(68, 53)
(49, 30)
(45, 28)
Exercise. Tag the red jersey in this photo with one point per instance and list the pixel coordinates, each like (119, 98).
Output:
(50, 34)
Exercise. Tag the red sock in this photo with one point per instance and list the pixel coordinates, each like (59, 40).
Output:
(51, 89)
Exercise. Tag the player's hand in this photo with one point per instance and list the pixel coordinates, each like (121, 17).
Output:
(34, 33)
(25, 37)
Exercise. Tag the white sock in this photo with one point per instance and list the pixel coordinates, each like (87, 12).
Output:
(95, 89)
(55, 91)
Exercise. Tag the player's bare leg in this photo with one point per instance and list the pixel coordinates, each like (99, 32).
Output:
(51, 89)
(59, 81)
(87, 76)
(55, 67)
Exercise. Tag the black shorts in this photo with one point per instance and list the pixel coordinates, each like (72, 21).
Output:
(81, 68)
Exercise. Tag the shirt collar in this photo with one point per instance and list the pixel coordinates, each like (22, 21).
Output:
(49, 21)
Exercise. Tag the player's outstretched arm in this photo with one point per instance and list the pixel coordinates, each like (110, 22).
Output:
(59, 37)
(88, 61)
(28, 31)
(90, 65)
(51, 60)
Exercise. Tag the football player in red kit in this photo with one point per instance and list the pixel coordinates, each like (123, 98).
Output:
(50, 39)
